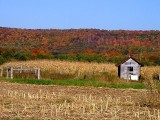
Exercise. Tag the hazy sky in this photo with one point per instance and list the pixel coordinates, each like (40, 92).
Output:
(66, 14)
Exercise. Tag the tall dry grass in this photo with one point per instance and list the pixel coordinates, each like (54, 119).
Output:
(54, 69)
(150, 76)
(150, 72)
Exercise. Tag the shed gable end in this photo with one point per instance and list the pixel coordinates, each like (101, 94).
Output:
(129, 69)
(131, 62)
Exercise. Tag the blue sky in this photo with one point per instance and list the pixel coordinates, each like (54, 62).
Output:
(75, 14)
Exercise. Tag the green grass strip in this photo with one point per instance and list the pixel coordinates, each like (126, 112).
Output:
(77, 83)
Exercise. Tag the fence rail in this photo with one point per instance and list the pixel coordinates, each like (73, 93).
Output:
(10, 71)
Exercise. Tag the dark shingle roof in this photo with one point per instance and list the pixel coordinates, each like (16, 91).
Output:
(124, 60)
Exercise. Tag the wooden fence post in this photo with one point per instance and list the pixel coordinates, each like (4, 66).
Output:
(38, 69)
(21, 68)
(7, 72)
(11, 72)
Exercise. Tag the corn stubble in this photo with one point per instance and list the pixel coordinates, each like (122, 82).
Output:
(56, 104)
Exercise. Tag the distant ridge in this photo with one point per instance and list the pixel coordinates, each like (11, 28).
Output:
(88, 41)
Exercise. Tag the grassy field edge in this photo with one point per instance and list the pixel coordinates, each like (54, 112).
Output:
(76, 82)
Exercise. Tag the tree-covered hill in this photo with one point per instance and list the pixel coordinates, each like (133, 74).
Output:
(144, 45)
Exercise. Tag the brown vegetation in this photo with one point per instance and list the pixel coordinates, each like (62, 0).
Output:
(54, 69)
(62, 102)
(19, 101)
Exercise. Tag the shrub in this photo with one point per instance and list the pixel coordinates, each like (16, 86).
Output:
(8, 54)
(23, 56)
(116, 59)
(81, 57)
(148, 63)
(157, 61)
(91, 58)
(156, 76)
(43, 56)
(1, 60)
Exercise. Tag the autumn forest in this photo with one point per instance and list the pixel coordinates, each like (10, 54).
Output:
(107, 45)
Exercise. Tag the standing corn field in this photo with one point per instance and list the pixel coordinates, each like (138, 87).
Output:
(52, 68)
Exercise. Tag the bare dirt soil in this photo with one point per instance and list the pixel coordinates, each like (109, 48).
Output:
(51, 102)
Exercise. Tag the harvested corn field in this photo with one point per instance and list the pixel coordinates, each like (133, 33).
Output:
(23, 101)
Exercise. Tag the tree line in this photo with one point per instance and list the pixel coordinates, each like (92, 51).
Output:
(13, 54)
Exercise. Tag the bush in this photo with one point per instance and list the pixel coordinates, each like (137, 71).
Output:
(147, 63)
(43, 56)
(22, 56)
(157, 61)
(81, 57)
(1, 60)
(8, 54)
(116, 59)
(66, 56)
(91, 58)
(155, 76)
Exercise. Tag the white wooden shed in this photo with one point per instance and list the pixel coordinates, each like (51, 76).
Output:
(129, 69)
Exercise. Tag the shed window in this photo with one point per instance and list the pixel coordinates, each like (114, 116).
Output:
(130, 69)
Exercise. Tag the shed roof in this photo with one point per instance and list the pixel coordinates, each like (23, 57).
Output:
(124, 60)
